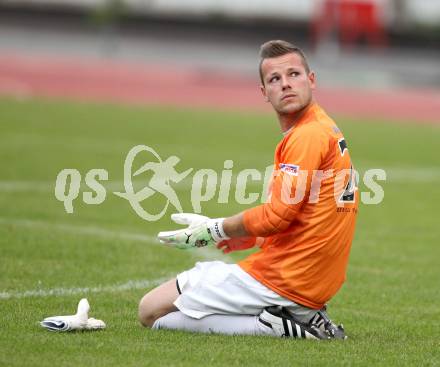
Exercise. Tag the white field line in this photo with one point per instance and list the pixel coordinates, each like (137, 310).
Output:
(129, 285)
(199, 254)
(80, 230)
(394, 175)
(206, 253)
(113, 186)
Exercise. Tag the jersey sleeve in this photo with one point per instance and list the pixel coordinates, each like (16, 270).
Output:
(300, 156)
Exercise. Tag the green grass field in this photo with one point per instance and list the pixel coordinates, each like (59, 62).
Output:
(389, 304)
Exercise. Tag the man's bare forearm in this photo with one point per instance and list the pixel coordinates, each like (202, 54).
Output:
(234, 226)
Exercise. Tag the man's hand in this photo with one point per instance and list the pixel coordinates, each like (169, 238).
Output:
(239, 243)
(201, 231)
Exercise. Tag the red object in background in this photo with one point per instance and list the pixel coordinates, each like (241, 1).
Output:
(353, 20)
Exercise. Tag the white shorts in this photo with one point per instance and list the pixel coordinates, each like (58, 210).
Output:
(218, 288)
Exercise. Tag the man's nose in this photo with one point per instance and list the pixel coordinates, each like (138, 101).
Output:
(285, 83)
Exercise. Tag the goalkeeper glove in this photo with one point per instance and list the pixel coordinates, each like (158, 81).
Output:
(201, 231)
(79, 321)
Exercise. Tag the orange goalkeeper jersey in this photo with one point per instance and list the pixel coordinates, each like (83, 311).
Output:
(309, 219)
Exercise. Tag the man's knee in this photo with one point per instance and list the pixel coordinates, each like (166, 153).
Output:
(146, 314)
(157, 303)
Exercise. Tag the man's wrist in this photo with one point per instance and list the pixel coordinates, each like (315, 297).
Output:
(215, 227)
(234, 226)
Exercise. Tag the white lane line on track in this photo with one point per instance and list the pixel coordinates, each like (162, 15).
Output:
(209, 254)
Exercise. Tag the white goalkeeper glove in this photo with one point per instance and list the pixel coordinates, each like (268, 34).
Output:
(201, 231)
(80, 321)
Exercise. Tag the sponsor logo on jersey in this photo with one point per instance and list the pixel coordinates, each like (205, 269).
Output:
(291, 169)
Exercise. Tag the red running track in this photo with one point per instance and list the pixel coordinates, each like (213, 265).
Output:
(119, 81)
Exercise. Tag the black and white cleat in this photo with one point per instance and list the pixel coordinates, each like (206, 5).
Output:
(286, 325)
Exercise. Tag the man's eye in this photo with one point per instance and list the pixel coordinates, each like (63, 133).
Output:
(294, 73)
(273, 79)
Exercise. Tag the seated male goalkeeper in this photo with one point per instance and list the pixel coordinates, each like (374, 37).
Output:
(304, 230)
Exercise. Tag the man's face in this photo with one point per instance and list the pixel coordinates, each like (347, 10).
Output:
(287, 86)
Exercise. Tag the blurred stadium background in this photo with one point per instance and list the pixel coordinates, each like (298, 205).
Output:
(379, 51)
(83, 81)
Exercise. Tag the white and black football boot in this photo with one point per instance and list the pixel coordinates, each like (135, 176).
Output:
(323, 322)
(320, 327)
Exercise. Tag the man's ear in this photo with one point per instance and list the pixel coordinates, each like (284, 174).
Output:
(312, 79)
(263, 92)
